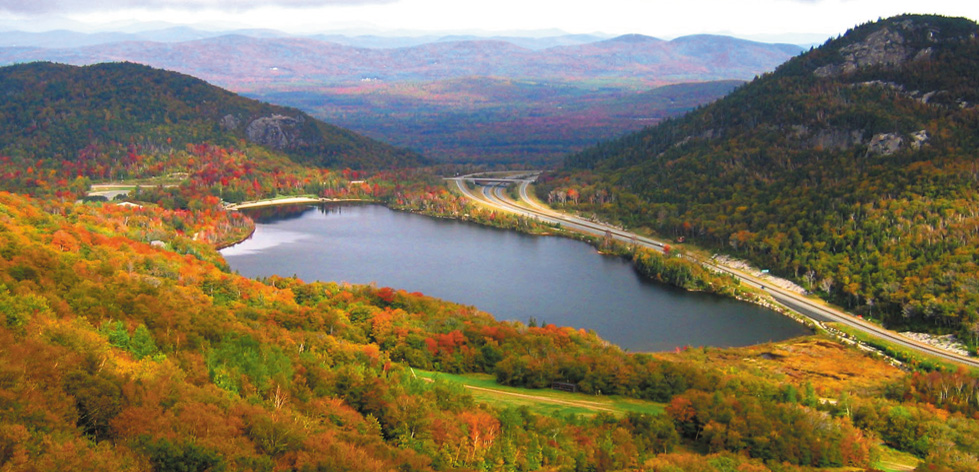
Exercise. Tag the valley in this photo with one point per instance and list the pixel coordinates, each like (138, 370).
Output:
(470, 101)
(496, 121)
(130, 342)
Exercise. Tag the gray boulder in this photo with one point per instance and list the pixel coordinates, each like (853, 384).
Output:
(276, 131)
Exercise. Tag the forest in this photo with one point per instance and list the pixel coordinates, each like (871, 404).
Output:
(124, 355)
(850, 169)
(127, 343)
(52, 111)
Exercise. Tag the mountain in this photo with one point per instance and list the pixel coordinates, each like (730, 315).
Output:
(687, 58)
(55, 111)
(430, 96)
(387, 42)
(851, 169)
(55, 39)
(164, 34)
(66, 38)
(241, 61)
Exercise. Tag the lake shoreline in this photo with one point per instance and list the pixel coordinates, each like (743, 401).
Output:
(291, 201)
(754, 299)
(633, 311)
(815, 327)
(277, 202)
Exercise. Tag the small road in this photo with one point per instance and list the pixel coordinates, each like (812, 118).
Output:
(495, 196)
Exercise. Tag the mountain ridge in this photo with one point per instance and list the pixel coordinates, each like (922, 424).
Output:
(847, 169)
(54, 111)
(335, 63)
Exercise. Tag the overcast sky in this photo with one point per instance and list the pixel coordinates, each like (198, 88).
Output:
(666, 19)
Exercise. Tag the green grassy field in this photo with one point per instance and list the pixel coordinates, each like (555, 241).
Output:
(896, 461)
(484, 389)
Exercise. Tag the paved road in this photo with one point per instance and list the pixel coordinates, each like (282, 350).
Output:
(495, 196)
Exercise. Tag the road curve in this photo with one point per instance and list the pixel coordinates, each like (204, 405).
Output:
(494, 196)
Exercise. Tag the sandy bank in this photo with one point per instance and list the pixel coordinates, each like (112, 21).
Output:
(289, 201)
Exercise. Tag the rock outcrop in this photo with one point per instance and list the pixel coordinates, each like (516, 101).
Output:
(893, 45)
(882, 48)
(919, 138)
(276, 131)
(885, 144)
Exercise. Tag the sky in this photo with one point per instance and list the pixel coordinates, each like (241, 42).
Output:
(771, 20)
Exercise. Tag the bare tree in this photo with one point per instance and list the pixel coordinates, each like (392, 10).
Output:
(826, 284)
(810, 277)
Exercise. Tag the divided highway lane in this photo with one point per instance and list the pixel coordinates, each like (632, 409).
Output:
(495, 196)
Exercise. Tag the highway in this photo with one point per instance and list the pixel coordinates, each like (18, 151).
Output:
(495, 196)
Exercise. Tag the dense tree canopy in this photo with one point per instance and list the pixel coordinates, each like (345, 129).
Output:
(121, 355)
(54, 113)
(851, 169)
(126, 343)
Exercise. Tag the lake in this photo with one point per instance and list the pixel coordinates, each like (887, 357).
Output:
(511, 275)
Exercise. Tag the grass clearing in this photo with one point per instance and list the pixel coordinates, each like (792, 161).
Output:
(829, 366)
(892, 460)
(484, 389)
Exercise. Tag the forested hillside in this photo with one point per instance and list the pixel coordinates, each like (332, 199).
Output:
(119, 354)
(100, 114)
(126, 343)
(851, 169)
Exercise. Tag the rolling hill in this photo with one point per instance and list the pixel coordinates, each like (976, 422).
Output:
(851, 169)
(53, 112)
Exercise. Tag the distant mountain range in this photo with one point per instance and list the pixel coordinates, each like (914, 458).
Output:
(245, 60)
(492, 120)
(69, 39)
(455, 98)
(527, 42)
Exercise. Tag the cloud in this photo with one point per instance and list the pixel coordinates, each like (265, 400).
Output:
(89, 6)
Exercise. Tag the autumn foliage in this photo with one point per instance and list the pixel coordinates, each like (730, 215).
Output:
(126, 343)
(124, 355)
(788, 172)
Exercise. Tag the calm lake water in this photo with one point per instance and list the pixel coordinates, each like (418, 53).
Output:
(511, 275)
